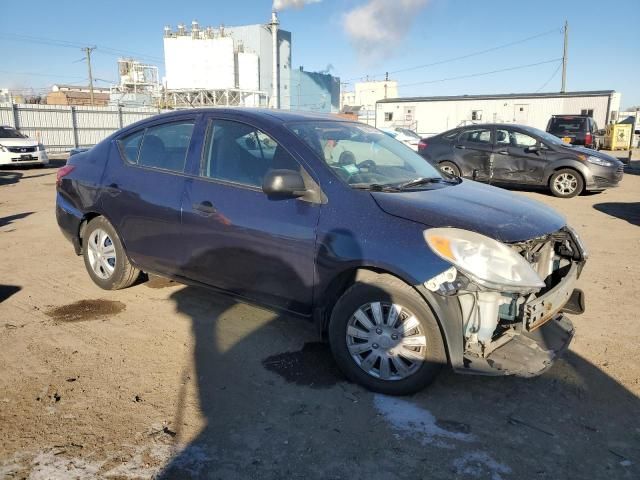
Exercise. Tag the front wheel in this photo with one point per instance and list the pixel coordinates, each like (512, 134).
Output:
(384, 336)
(105, 257)
(449, 168)
(566, 183)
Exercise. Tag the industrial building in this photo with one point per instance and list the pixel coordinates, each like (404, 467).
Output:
(314, 91)
(139, 84)
(247, 65)
(364, 96)
(77, 95)
(433, 115)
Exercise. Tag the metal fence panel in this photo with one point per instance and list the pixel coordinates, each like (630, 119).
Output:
(62, 127)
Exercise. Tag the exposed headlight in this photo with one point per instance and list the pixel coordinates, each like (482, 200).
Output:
(599, 161)
(485, 261)
(41, 147)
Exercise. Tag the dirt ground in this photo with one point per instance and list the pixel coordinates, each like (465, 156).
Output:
(169, 381)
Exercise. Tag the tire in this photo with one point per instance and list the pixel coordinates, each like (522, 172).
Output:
(428, 357)
(114, 271)
(449, 168)
(566, 183)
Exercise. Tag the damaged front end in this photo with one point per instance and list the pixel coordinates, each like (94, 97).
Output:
(512, 297)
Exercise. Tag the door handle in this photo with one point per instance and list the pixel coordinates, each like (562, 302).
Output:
(205, 208)
(503, 152)
(461, 147)
(113, 189)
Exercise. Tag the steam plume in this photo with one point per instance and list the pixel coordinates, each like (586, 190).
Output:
(378, 26)
(284, 4)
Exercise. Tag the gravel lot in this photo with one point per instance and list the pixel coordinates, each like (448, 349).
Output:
(172, 381)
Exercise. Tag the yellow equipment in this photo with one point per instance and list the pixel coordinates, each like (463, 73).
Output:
(618, 136)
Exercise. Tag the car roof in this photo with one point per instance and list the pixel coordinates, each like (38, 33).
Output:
(262, 113)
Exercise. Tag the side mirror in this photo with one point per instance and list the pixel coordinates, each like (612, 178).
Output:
(532, 149)
(283, 183)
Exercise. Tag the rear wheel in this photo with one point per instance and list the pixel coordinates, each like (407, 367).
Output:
(449, 168)
(566, 183)
(105, 258)
(384, 336)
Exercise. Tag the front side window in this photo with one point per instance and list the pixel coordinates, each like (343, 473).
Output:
(480, 135)
(514, 138)
(361, 155)
(161, 146)
(239, 153)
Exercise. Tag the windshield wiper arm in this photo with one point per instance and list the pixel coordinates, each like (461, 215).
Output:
(420, 181)
(375, 187)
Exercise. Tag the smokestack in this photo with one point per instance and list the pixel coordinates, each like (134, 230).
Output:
(275, 95)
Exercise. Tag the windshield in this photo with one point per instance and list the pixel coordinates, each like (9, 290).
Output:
(567, 124)
(8, 132)
(544, 136)
(363, 156)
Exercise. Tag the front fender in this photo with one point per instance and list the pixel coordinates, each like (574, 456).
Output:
(580, 167)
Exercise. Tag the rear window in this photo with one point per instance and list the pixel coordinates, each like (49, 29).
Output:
(567, 124)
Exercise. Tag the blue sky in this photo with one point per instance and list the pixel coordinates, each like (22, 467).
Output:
(603, 46)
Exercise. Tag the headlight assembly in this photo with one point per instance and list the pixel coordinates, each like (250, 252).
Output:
(485, 261)
(3, 148)
(599, 161)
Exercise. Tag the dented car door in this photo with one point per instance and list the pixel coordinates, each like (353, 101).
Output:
(517, 157)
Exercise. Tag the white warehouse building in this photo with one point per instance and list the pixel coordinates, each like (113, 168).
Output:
(214, 65)
(432, 115)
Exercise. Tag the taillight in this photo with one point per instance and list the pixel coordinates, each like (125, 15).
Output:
(63, 172)
(422, 145)
(588, 139)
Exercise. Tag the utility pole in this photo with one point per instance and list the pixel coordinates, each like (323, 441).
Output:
(563, 89)
(87, 51)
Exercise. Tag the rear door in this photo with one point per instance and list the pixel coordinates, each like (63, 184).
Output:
(513, 160)
(142, 189)
(239, 239)
(472, 151)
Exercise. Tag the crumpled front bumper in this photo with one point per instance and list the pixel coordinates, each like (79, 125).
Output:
(527, 354)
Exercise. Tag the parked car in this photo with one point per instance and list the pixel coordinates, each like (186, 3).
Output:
(18, 149)
(517, 154)
(575, 130)
(403, 269)
(410, 138)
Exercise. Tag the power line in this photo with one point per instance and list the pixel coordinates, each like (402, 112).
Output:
(555, 72)
(461, 57)
(479, 74)
(69, 44)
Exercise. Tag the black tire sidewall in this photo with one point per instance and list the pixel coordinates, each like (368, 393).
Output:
(362, 293)
(114, 280)
(578, 177)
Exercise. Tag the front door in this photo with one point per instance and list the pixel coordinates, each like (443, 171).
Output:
(142, 192)
(472, 151)
(238, 238)
(518, 157)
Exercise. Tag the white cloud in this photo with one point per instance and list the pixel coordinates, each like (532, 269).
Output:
(284, 4)
(378, 26)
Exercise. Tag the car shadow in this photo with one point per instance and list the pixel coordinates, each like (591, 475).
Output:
(9, 177)
(271, 405)
(11, 218)
(7, 291)
(625, 211)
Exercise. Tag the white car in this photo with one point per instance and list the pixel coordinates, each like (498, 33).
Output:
(404, 135)
(18, 149)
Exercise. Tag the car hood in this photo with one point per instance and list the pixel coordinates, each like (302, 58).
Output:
(589, 151)
(469, 205)
(18, 142)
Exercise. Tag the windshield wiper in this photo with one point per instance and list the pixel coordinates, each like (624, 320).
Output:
(419, 181)
(374, 187)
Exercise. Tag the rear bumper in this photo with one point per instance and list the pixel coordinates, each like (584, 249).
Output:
(69, 220)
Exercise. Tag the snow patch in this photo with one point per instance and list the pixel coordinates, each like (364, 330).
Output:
(479, 464)
(416, 421)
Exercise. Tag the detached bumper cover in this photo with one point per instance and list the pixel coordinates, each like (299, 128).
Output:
(527, 354)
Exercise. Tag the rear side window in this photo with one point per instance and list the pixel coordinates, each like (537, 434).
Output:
(481, 135)
(161, 146)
